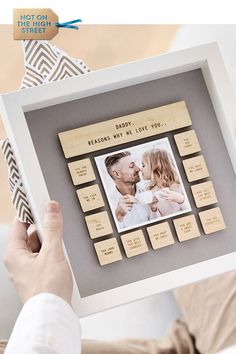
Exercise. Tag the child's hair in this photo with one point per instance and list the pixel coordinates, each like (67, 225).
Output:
(163, 172)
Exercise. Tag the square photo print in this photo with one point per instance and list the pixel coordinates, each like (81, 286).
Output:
(142, 184)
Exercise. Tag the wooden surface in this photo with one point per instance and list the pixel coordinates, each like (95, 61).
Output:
(160, 235)
(204, 194)
(99, 46)
(134, 243)
(187, 143)
(98, 224)
(186, 228)
(90, 197)
(108, 251)
(81, 171)
(124, 129)
(195, 168)
(212, 220)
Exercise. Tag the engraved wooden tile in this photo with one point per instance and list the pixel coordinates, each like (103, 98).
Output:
(124, 129)
(134, 243)
(212, 220)
(81, 171)
(186, 228)
(108, 251)
(90, 197)
(195, 168)
(98, 224)
(204, 194)
(187, 143)
(160, 235)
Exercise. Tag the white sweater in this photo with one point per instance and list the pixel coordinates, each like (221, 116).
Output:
(48, 325)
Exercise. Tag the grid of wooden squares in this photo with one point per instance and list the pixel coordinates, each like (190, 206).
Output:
(159, 234)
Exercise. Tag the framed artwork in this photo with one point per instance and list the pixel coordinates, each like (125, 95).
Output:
(142, 159)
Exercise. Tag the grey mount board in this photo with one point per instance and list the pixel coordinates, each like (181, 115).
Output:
(44, 125)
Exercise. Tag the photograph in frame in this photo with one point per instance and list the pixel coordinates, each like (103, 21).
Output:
(142, 184)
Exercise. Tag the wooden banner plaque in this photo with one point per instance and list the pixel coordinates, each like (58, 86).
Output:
(124, 129)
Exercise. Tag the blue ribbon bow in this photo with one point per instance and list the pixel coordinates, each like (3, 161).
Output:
(68, 24)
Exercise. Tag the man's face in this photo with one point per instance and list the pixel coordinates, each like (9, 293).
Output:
(126, 170)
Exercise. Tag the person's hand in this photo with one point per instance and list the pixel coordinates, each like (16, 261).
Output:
(154, 204)
(168, 194)
(38, 269)
(125, 205)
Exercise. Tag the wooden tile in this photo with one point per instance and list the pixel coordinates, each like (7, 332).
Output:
(90, 198)
(98, 224)
(160, 235)
(195, 168)
(124, 129)
(186, 228)
(204, 194)
(212, 220)
(187, 143)
(134, 243)
(81, 171)
(108, 251)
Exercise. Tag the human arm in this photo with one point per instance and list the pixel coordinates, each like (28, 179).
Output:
(46, 325)
(171, 195)
(154, 205)
(125, 204)
(43, 280)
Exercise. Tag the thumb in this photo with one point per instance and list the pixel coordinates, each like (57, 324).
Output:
(52, 227)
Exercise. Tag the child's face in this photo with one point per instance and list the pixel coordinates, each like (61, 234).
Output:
(145, 170)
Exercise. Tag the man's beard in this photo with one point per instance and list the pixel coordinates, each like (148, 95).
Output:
(137, 178)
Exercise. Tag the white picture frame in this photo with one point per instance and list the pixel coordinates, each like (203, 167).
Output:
(14, 105)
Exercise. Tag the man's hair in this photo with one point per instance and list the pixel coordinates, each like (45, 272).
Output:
(113, 159)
